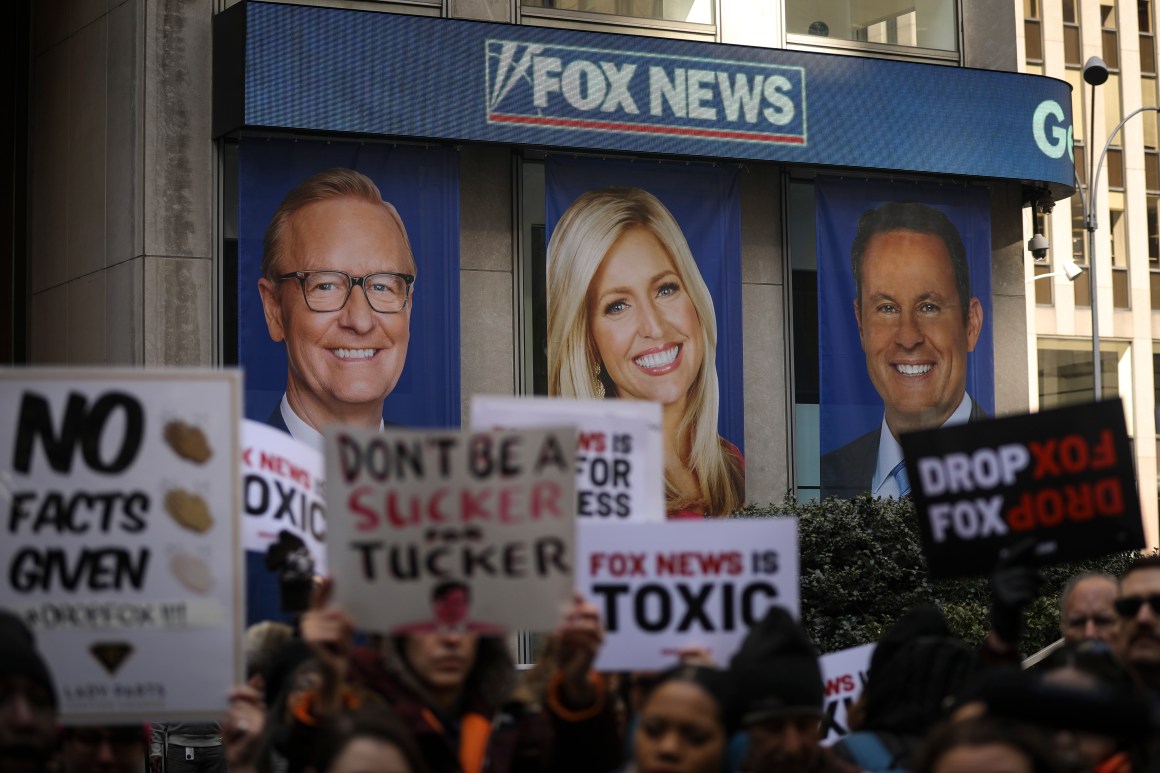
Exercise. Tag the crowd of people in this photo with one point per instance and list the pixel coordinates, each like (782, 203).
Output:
(321, 697)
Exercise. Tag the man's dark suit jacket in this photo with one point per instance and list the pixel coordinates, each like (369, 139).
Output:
(849, 471)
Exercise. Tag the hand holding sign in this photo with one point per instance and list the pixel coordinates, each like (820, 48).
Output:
(1015, 584)
(578, 641)
(329, 632)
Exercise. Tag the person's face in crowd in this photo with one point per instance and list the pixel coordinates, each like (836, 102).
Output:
(679, 731)
(1084, 750)
(441, 660)
(342, 363)
(984, 758)
(785, 744)
(452, 607)
(646, 330)
(910, 320)
(1140, 633)
(369, 755)
(27, 724)
(103, 749)
(1089, 612)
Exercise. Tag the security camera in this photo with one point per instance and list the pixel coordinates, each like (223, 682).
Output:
(1038, 246)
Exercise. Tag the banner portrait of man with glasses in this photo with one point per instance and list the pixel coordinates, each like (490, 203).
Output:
(337, 288)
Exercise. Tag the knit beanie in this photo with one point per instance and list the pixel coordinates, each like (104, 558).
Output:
(18, 654)
(776, 670)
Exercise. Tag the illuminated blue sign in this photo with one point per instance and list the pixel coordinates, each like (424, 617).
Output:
(306, 68)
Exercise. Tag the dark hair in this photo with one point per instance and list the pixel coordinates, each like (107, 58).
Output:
(912, 216)
(985, 731)
(446, 587)
(716, 682)
(378, 724)
(1142, 562)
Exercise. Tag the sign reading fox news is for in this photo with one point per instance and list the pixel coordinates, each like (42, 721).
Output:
(620, 474)
(662, 587)
(1063, 477)
(120, 492)
(459, 530)
(617, 90)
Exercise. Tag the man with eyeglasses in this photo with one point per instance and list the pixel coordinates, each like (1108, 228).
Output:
(337, 287)
(1087, 609)
(1139, 607)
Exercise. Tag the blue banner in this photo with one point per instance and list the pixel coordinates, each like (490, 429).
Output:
(329, 69)
(705, 202)
(913, 360)
(423, 184)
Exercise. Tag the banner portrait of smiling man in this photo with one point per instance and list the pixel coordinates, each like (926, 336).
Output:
(904, 299)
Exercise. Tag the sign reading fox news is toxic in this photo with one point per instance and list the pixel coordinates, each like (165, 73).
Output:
(844, 674)
(662, 587)
(621, 90)
(451, 530)
(620, 474)
(1063, 477)
(120, 547)
(284, 489)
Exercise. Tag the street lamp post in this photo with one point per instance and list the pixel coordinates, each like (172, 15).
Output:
(1095, 72)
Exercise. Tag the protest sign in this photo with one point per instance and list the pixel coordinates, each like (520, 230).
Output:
(661, 587)
(283, 490)
(121, 547)
(1062, 478)
(462, 530)
(620, 473)
(844, 674)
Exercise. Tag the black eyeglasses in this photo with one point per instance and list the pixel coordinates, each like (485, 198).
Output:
(387, 292)
(1128, 606)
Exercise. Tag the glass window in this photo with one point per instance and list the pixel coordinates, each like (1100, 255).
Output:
(807, 391)
(1069, 12)
(1151, 170)
(1147, 54)
(1144, 15)
(1033, 34)
(695, 11)
(1148, 99)
(1065, 371)
(1154, 236)
(1114, 168)
(1071, 46)
(913, 23)
(1043, 288)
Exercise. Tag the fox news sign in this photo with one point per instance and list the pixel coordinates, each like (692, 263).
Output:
(306, 68)
(566, 87)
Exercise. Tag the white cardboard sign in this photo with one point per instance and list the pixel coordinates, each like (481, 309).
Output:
(661, 587)
(844, 674)
(620, 475)
(121, 549)
(284, 489)
(446, 529)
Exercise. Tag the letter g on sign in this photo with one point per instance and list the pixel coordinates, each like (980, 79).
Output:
(1060, 139)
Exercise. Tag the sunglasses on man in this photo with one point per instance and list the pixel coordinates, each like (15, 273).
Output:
(1128, 606)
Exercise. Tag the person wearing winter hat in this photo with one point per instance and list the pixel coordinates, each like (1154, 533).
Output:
(781, 697)
(28, 736)
(918, 667)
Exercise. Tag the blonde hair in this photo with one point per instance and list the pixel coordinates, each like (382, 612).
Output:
(336, 183)
(579, 244)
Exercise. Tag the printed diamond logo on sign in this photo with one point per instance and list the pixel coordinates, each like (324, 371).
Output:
(620, 473)
(122, 551)
(661, 587)
(451, 530)
(1063, 478)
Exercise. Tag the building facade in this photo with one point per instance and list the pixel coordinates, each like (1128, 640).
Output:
(158, 131)
(1056, 39)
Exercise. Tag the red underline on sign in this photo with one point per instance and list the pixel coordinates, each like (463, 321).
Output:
(684, 131)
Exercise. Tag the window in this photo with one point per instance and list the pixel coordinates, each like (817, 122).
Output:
(804, 286)
(930, 24)
(1109, 37)
(1065, 371)
(1147, 38)
(693, 11)
(1033, 30)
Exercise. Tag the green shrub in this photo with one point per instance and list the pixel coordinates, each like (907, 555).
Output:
(862, 567)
